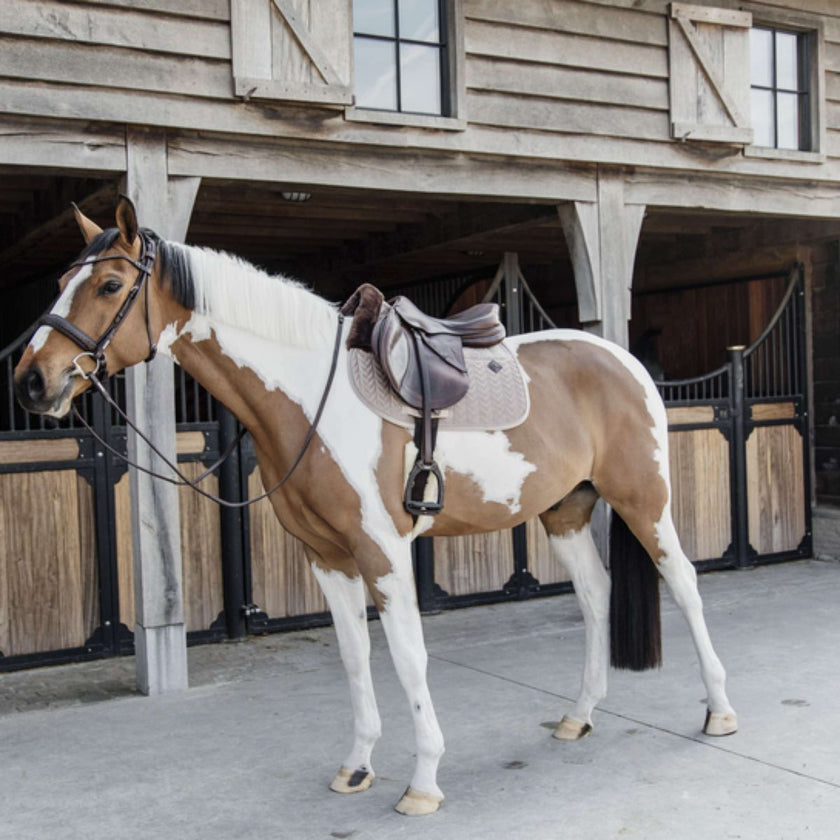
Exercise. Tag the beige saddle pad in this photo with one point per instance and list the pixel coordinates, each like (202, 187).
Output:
(497, 400)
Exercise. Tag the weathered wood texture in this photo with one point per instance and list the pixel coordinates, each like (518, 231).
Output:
(48, 575)
(283, 585)
(475, 563)
(573, 79)
(201, 552)
(722, 316)
(775, 489)
(699, 461)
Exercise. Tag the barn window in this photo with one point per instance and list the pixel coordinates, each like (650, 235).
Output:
(779, 88)
(400, 57)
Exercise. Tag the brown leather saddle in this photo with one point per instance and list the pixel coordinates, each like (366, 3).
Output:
(423, 358)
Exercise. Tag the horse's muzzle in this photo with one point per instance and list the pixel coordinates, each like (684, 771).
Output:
(31, 390)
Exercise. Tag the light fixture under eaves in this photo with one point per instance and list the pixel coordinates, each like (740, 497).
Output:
(296, 196)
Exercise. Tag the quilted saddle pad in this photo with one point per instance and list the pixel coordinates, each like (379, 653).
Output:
(497, 399)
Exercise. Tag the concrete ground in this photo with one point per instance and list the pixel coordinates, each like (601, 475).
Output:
(248, 752)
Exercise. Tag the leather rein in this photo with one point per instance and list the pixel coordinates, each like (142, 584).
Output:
(95, 349)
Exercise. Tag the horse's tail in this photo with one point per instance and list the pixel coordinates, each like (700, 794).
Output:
(635, 637)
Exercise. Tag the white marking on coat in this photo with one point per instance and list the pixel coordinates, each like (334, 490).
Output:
(487, 458)
(62, 306)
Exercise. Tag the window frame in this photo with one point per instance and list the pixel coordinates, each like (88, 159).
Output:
(802, 92)
(451, 73)
(812, 31)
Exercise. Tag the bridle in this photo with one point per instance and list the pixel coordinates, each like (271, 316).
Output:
(95, 349)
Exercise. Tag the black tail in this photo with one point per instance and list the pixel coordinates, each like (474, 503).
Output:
(635, 635)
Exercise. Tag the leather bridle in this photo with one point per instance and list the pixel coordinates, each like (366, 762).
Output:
(95, 349)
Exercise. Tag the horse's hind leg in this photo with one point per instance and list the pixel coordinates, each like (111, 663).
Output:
(570, 536)
(681, 577)
(346, 598)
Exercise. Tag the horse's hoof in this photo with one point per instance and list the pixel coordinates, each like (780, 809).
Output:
(572, 730)
(416, 804)
(351, 781)
(720, 723)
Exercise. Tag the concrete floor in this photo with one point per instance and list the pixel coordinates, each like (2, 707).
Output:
(250, 749)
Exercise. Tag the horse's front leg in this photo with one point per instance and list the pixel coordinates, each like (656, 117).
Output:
(401, 621)
(346, 598)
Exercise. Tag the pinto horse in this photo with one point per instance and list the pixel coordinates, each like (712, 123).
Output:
(263, 346)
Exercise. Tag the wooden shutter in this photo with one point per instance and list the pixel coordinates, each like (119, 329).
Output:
(296, 50)
(709, 51)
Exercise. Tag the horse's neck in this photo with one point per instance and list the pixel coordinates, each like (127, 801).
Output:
(268, 386)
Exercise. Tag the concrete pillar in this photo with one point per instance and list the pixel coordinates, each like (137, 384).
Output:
(165, 206)
(602, 238)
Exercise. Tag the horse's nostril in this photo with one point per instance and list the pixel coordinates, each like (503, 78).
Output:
(34, 384)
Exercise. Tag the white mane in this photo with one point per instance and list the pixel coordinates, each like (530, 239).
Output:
(231, 291)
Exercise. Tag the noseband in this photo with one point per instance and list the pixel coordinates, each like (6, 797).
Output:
(95, 349)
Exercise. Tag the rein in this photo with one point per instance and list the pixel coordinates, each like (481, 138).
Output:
(95, 349)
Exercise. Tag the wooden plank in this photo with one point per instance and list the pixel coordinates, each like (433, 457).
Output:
(573, 17)
(44, 609)
(282, 584)
(32, 451)
(573, 117)
(201, 551)
(190, 443)
(252, 88)
(66, 146)
(250, 27)
(125, 551)
(700, 498)
(684, 415)
(775, 489)
(590, 86)
(112, 67)
(773, 411)
(708, 14)
(63, 21)
(474, 563)
(205, 9)
(89, 566)
(537, 45)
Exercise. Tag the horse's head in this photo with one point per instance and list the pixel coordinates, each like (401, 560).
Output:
(94, 325)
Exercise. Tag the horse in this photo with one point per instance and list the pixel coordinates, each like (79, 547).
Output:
(264, 345)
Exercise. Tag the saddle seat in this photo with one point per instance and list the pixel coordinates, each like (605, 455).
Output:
(423, 359)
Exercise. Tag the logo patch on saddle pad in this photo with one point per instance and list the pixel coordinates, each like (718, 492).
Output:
(497, 398)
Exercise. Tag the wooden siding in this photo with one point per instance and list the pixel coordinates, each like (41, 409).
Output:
(573, 80)
(48, 575)
(699, 462)
(775, 489)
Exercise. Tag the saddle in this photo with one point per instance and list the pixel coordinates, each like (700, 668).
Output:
(423, 358)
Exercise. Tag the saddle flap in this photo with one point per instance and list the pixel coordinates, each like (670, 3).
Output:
(404, 354)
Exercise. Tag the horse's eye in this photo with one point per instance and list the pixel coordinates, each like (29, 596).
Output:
(110, 287)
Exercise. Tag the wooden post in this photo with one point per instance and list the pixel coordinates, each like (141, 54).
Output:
(165, 206)
(602, 238)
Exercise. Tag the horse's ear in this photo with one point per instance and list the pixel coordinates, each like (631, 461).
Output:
(127, 220)
(90, 230)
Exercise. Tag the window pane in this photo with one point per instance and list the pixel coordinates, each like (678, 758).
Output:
(419, 20)
(376, 73)
(787, 66)
(374, 17)
(761, 57)
(420, 77)
(762, 117)
(788, 121)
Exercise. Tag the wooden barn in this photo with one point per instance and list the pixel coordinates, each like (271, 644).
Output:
(664, 174)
